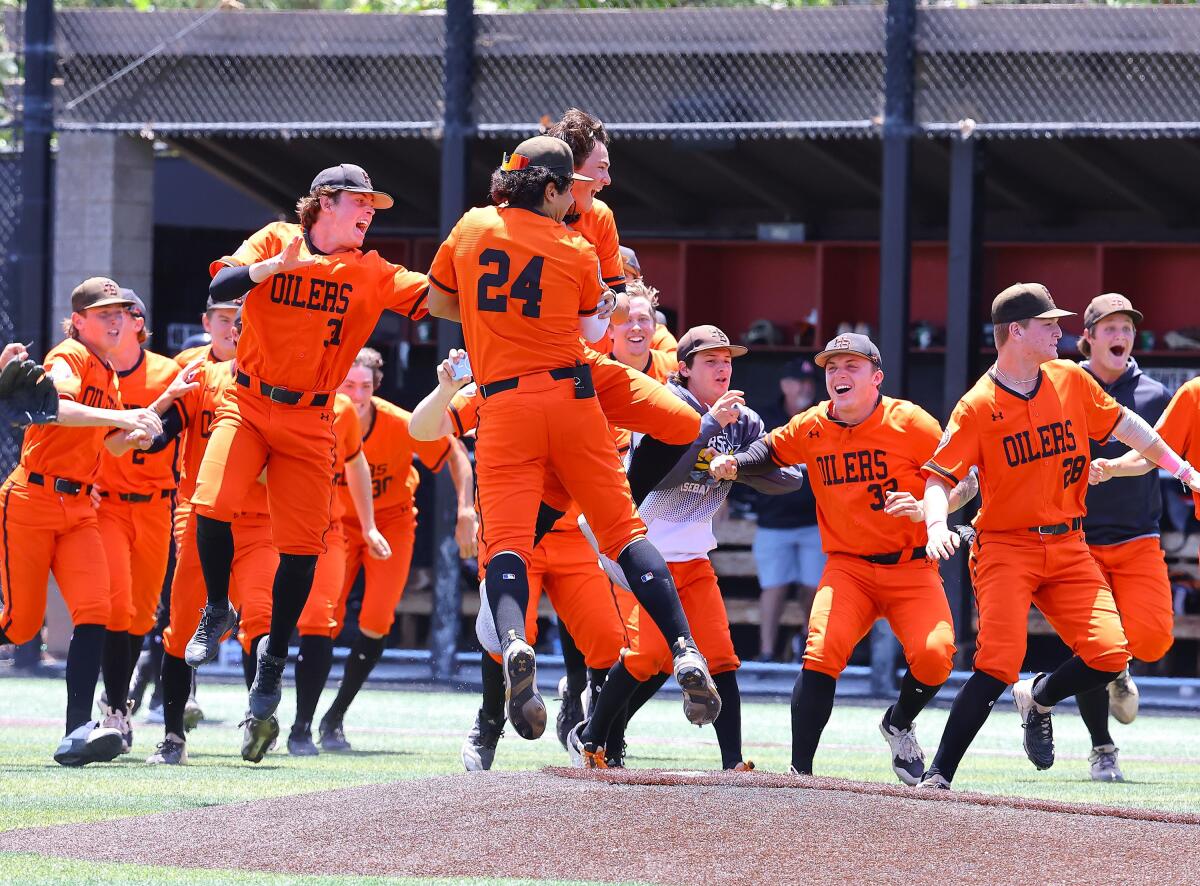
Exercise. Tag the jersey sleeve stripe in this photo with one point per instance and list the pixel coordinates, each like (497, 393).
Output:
(620, 279)
(941, 472)
(357, 452)
(442, 286)
(437, 466)
(419, 302)
(462, 432)
(1120, 416)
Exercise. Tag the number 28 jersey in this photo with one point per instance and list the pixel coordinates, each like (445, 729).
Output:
(522, 281)
(852, 468)
(1032, 451)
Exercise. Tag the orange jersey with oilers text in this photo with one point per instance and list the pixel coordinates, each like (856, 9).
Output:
(347, 431)
(1179, 426)
(73, 453)
(1032, 451)
(389, 449)
(137, 471)
(184, 357)
(522, 281)
(852, 469)
(302, 329)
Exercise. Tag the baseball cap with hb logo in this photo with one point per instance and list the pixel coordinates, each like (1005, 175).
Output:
(228, 305)
(1110, 303)
(706, 338)
(546, 151)
(1026, 301)
(97, 292)
(850, 343)
(348, 177)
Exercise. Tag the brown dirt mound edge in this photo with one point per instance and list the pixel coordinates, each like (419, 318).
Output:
(680, 778)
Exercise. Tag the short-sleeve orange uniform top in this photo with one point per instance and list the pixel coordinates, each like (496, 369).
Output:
(662, 340)
(302, 329)
(1032, 451)
(347, 431)
(186, 356)
(853, 467)
(72, 453)
(389, 449)
(144, 473)
(198, 407)
(522, 281)
(599, 227)
(1179, 426)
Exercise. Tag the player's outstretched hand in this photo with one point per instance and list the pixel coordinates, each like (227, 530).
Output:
(728, 407)
(445, 370)
(1099, 471)
(723, 467)
(377, 545)
(139, 439)
(293, 256)
(15, 351)
(904, 504)
(466, 532)
(186, 379)
(943, 542)
(146, 420)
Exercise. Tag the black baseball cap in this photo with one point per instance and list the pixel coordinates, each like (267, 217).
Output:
(98, 292)
(136, 305)
(706, 338)
(849, 343)
(543, 150)
(1025, 301)
(348, 177)
(1110, 303)
(230, 305)
(798, 369)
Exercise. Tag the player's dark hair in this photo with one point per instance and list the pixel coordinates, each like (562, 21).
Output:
(1000, 331)
(525, 188)
(677, 377)
(308, 207)
(1084, 346)
(371, 359)
(581, 131)
(68, 328)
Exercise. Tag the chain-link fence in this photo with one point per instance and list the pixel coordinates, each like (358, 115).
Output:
(10, 197)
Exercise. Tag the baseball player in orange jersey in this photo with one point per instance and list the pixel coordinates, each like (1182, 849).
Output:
(321, 620)
(254, 565)
(864, 454)
(1025, 426)
(134, 494)
(218, 319)
(532, 287)
(629, 399)
(312, 297)
(46, 515)
(390, 484)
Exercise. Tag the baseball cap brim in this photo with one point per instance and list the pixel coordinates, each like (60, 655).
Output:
(822, 358)
(575, 176)
(380, 200)
(1134, 314)
(110, 300)
(734, 350)
(1053, 314)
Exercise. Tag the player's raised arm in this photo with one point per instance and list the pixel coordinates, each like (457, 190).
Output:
(431, 419)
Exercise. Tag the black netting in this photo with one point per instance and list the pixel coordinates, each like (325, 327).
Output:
(10, 198)
(1074, 69)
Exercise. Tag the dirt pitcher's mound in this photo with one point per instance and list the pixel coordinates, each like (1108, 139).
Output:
(647, 826)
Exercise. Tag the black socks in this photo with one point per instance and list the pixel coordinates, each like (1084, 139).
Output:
(1070, 678)
(508, 594)
(359, 663)
(611, 704)
(914, 695)
(250, 661)
(116, 668)
(214, 543)
(289, 593)
(312, 670)
(1093, 708)
(728, 724)
(968, 713)
(176, 687)
(493, 687)
(650, 580)
(83, 668)
(812, 703)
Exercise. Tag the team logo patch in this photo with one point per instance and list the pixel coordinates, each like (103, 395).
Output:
(945, 439)
(840, 343)
(649, 576)
(59, 371)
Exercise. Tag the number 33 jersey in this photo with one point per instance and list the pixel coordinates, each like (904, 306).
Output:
(852, 469)
(1032, 450)
(522, 281)
(302, 329)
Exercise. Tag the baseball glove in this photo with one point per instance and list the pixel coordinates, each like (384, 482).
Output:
(27, 395)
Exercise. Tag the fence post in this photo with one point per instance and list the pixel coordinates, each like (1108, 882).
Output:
(457, 131)
(37, 123)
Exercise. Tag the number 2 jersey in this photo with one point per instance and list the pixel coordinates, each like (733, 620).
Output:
(302, 329)
(522, 281)
(1032, 450)
(852, 468)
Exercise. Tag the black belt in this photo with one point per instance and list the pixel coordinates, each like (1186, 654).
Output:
(894, 557)
(281, 395)
(581, 374)
(139, 497)
(1059, 528)
(61, 485)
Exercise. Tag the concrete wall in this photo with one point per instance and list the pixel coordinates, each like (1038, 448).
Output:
(103, 214)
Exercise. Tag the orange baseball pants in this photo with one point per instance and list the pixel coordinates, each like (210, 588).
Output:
(254, 563)
(537, 428)
(1056, 573)
(319, 616)
(43, 532)
(853, 593)
(296, 445)
(1137, 573)
(636, 402)
(704, 607)
(384, 580)
(137, 543)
